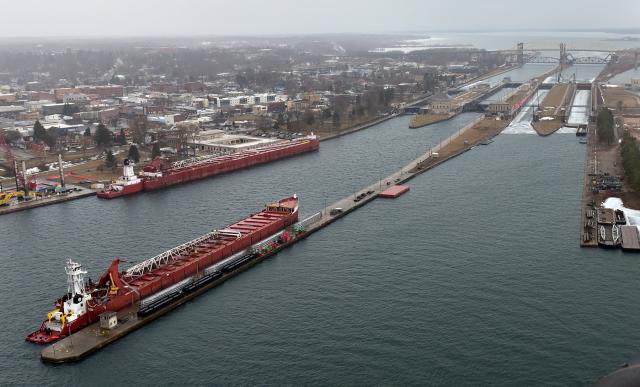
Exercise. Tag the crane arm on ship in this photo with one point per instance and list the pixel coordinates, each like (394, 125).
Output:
(112, 277)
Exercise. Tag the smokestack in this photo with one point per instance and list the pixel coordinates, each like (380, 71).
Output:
(61, 170)
(24, 176)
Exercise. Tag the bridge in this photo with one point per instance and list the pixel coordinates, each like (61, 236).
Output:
(565, 56)
(571, 60)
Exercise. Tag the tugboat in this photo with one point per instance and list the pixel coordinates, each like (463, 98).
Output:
(71, 310)
(126, 184)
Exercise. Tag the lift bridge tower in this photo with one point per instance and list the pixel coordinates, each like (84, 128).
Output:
(520, 54)
(564, 59)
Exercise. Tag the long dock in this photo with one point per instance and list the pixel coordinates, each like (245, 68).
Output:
(588, 223)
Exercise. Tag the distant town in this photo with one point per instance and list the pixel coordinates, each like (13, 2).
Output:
(87, 103)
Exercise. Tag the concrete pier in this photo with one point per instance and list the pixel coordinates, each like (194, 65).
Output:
(46, 201)
(588, 220)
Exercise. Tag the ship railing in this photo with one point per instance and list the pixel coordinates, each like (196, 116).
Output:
(311, 219)
(201, 160)
(198, 160)
(168, 256)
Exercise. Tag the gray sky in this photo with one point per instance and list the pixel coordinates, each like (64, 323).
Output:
(252, 17)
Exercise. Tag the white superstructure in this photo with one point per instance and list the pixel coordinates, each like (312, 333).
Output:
(74, 303)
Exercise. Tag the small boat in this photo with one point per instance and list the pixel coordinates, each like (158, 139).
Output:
(615, 234)
(583, 141)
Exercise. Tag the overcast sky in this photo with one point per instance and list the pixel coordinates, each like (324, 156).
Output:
(252, 17)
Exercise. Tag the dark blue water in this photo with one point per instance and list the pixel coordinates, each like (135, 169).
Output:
(474, 277)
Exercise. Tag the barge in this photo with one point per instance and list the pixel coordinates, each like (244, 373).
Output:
(152, 283)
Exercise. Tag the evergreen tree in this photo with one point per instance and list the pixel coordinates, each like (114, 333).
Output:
(134, 155)
(155, 151)
(103, 136)
(39, 133)
(630, 160)
(122, 139)
(87, 132)
(110, 159)
(605, 124)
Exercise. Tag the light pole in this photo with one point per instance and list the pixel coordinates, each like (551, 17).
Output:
(324, 195)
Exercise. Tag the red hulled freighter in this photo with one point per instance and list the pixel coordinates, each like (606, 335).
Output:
(199, 168)
(116, 290)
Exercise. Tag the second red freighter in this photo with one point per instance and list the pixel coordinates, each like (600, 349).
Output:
(154, 177)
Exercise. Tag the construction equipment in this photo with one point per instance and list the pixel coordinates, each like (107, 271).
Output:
(5, 197)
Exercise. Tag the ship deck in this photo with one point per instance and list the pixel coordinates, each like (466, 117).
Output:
(248, 227)
(238, 156)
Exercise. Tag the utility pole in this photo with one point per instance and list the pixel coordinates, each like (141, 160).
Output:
(15, 170)
(61, 170)
(24, 177)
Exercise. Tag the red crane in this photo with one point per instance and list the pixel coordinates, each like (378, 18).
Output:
(6, 148)
(28, 185)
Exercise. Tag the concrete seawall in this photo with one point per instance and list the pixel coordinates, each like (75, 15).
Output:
(35, 203)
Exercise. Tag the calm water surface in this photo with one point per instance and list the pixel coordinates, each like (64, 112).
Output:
(474, 277)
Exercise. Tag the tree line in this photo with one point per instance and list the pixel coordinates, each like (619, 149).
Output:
(630, 160)
(606, 125)
(103, 138)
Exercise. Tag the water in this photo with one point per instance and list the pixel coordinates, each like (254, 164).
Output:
(579, 114)
(519, 74)
(509, 39)
(582, 72)
(473, 277)
(625, 77)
